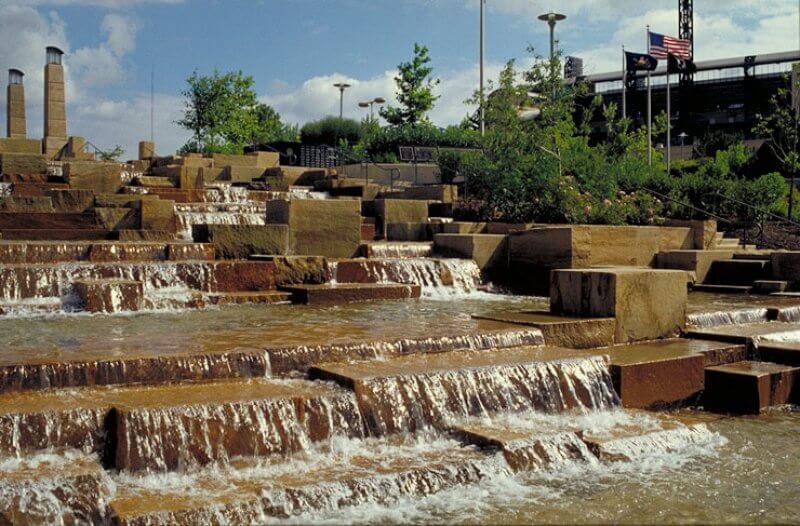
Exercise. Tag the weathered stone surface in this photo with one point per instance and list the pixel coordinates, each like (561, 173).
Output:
(647, 304)
(101, 178)
(242, 241)
(191, 252)
(152, 181)
(329, 228)
(534, 253)
(120, 251)
(121, 200)
(26, 204)
(562, 331)
(704, 232)
(211, 174)
(351, 292)
(118, 218)
(158, 215)
(145, 235)
(71, 200)
(407, 232)
(463, 227)
(281, 178)
(489, 251)
(19, 163)
(750, 387)
(290, 270)
(147, 150)
(242, 174)
(399, 211)
(696, 261)
(242, 276)
(657, 374)
(113, 295)
(46, 221)
(20, 145)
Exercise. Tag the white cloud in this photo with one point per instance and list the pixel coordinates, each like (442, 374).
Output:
(103, 65)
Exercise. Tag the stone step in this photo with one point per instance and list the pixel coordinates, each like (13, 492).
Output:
(59, 487)
(225, 357)
(109, 295)
(666, 373)
(739, 272)
(748, 332)
(267, 297)
(406, 393)
(784, 353)
(170, 426)
(769, 286)
(751, 253)
(398, 249)
(52, 234)
(561, 331)
(750, 387)
(251, 491)
(723, 289)
(335, 294)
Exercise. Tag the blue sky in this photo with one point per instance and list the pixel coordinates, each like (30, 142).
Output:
(296, 48)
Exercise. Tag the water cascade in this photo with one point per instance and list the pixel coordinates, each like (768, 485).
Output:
(190, 214)
(439, 278)
(400, 249)
(731, 317)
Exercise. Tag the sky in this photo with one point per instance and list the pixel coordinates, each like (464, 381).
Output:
(296, 50)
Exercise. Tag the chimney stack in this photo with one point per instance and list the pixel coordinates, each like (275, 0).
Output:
(55, 108)
(15, 101)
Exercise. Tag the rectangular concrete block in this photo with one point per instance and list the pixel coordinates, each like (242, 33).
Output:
(647, 304)
(489, 251)
(242, 174)
(156, 214)
(407, 232)
(242, 241)
(330, 228)
(266, 159)
(20, 145)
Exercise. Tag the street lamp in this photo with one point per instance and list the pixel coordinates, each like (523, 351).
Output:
(370, 103)
(552, 18)
(482, 46)
(342, 86)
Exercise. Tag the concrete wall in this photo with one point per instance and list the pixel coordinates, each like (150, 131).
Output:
(426, 173)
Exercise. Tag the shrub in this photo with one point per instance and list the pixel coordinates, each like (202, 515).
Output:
(331, 131)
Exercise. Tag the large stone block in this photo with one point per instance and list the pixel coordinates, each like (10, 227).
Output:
(147, 150)
(750, 387)
(534, 253)
(99, 177)
(489, 251)
(266, 159)
(110, 295)
(399, 211)
(20, 145)
(330, 228)
(698, 262)
(118, 218)
(242, 174)
(463, 227)
(446, 193)
(407, 232)
(71, 200)
(242, 241)
(647, 304)
(156, 214)
(26, 204)
(22, 164)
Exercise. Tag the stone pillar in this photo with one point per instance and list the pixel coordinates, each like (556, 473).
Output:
(55, 107)
(15, 105)
(147, 150)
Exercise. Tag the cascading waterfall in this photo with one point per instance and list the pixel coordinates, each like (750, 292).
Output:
(407, 403)
(664, 441)
(80, 429)
(190, 214)
(307, 193)
(439, 278)
(400, 249)
(732, 317)
(547, 451)
(789, 314)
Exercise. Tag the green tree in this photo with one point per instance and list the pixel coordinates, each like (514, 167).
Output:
(781, 127)
(112, 154)
(223, 113)
(414, 91)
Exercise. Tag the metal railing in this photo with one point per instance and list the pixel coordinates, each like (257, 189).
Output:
(365, 162)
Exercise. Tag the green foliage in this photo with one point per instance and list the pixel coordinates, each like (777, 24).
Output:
(781, 126)
(112, 155)
(331, 131)
(224, 114)
(383, 143)
(414, 91)
(714, 141)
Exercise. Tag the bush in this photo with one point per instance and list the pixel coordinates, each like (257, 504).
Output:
(386, 142)
(331, 131)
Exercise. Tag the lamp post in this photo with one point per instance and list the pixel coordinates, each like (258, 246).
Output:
(342, 86)
(480, 90)
(370, 103)
(552, 18)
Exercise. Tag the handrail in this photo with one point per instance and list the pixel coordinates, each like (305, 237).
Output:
(687, 205)
(756, 208)
(291, 157)
(342, 153)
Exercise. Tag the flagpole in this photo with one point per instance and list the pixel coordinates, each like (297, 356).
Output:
(669, 122)
(649, 110)
(624, 85)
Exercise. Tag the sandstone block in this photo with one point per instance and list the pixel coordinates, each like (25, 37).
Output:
(463, 227)
(23, 164)
(330, 228)
(147, 150)
(71, 200)
(407, 232)
(446, 193)
(647, 304)
(750, 387)
(399, 211)
(266, 159)
(489, 251)
(101, 178)
(20, 145)
(26, 204)
(695, 261)
(242, 241)
(118, 218)
(110, 295)
(242, 174)
(145, 235)
(156, 214)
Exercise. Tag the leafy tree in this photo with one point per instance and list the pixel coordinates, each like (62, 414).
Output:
(223, 112)
(112, 155)
(715, 141)
(414, 91)
(781, 126)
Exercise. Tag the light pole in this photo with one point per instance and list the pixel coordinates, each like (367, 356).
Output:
(342, 86)
(480, 90)
(370, 103)
(552, 18)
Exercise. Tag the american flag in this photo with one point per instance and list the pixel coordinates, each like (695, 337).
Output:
(663, 45)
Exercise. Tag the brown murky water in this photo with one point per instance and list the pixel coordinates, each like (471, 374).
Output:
(73, 337)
